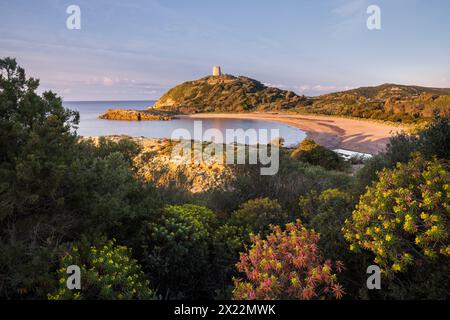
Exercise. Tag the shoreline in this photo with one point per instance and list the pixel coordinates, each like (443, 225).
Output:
(330, 131)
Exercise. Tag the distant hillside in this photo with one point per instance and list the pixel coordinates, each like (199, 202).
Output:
(388, 90)
(227, 93)
(386, 102)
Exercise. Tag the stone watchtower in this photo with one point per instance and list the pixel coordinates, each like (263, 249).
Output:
(217, 71)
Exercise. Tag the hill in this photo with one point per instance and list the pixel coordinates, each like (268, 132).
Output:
(227, 93)
(385, 102)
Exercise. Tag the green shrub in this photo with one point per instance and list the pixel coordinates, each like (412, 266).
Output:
(107, 273)
(258, 214)
(403, 220)
(177, 251)
(312, 153)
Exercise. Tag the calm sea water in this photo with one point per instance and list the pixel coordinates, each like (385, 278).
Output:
(90, 125)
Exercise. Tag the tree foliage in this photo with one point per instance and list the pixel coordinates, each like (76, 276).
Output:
(54, 189)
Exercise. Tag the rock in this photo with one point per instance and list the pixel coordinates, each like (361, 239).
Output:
(135, 115)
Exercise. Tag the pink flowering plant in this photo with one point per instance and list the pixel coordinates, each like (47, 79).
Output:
(287, 265)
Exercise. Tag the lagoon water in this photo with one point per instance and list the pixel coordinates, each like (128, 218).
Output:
(90, 125)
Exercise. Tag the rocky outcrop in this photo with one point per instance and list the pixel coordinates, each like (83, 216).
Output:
(156, 163)
(135, 115)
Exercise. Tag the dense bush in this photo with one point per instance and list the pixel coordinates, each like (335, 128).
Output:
(228, 241)
(287, 265)
(259, 214)
(107, 272)
(177, 251)
(310, 152)
(403, 220)
(405, 215)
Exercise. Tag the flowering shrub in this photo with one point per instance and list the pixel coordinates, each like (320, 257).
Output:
(287, 265)
(404, 217)
(107, 272)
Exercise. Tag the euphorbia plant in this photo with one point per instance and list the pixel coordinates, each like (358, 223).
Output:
(287, 265)
(403, 219)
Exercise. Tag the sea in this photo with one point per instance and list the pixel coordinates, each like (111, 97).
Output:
(91, 125)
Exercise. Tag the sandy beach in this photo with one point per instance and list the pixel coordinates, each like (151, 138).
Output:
(331, 132)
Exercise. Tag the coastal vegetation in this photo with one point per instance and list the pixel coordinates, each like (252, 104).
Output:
(308, 232)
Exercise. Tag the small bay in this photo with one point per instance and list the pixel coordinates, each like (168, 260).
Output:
(90, 125)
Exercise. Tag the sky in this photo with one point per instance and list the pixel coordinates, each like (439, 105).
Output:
(138, 49)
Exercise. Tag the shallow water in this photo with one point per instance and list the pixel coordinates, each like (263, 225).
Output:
(90, 125)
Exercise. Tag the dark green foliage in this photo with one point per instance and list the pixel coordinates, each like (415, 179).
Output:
(310, 152)
(228, 241)
(177, 251)
(258, 214)
(435, 139)
(54, 189)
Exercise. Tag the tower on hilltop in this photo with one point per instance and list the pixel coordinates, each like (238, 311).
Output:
(217, 71)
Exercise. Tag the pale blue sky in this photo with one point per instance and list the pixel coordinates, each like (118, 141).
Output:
(138, 49)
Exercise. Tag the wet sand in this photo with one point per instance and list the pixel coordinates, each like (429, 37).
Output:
(332, 132)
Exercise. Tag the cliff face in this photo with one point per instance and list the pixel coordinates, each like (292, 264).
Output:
(227, 93)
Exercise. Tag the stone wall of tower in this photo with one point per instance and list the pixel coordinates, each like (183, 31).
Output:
(217, 71)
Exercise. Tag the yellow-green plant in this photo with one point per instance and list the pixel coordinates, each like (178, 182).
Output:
(107, 272)
(403, 219)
